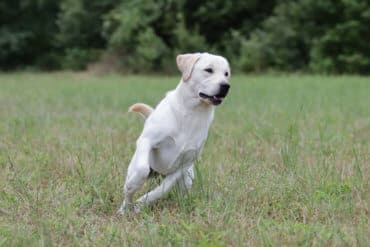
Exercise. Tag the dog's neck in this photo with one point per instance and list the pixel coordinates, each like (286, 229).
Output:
(188, 98)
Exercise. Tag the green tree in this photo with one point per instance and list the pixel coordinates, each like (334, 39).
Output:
(323, 36)
(27, 33)
(329, 36)
(80, 31)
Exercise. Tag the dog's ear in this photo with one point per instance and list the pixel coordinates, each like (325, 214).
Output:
(185, 63)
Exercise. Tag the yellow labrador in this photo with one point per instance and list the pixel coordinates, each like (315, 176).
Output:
(176, 130)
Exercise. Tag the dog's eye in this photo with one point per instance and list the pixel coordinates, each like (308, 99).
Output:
(226, 73)
(209, 70)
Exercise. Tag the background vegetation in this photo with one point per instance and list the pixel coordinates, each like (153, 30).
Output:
(330, 36)
(287, 163)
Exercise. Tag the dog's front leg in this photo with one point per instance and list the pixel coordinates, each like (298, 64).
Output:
(138, 171)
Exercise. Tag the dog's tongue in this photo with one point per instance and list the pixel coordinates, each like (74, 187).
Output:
(215, 100)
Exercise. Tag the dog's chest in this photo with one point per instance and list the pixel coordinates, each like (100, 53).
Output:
(179, 150)
(171, 156)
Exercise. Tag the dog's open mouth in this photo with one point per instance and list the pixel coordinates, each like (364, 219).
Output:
(215, 99)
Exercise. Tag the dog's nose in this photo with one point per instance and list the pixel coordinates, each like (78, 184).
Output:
(224, 89)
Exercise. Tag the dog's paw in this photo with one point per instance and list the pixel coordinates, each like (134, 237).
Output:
(122, 209)
(137, 208)
(130, 209)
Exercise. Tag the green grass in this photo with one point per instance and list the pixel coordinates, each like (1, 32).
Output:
(287, 162)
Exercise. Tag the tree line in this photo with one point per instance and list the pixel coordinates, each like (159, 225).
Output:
(319, 36)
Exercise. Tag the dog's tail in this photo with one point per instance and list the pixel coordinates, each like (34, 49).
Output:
(143, 109)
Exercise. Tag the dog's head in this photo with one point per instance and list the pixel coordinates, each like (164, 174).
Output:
(206, 74)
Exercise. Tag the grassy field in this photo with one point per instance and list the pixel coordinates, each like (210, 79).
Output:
(287, 162)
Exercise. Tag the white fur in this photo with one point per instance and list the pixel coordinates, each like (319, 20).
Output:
(175, 132)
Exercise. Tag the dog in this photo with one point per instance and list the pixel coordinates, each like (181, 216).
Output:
(175, 131)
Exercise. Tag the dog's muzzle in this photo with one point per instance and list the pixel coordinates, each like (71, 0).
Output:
(217, 99)
(224, 89)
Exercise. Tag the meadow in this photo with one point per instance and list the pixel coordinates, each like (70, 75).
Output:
(287, 163)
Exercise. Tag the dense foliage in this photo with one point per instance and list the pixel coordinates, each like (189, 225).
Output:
(331, 36)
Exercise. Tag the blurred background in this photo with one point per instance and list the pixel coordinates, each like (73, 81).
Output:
(313, 36)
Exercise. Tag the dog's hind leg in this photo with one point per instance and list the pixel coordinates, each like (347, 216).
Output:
(168, 182)
(186, 179)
